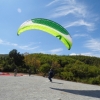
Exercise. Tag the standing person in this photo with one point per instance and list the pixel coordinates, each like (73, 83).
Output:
(15, 72)
(50, 75)
(29, 72)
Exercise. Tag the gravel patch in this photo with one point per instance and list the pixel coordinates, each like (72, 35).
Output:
(39, 88)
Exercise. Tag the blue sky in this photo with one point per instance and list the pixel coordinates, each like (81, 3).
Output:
(81, 18)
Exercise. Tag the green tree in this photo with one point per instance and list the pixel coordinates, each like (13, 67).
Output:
(16, 57)
(45, 68)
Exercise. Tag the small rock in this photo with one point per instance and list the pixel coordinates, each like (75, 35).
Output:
(59, 98)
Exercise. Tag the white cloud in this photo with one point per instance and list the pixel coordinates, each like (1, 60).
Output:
(85, 54)
(93, 44)
(73, 54)
(66, 7)
(89, 26)
(55, 51)
(14, 44)
(80, 35)
(1, 41)
(78, 10)
(19, 10)
(52, 2)
(25, 47)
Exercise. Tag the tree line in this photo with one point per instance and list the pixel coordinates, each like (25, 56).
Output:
(78, 68)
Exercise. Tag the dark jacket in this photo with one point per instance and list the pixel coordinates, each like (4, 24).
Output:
(51, 73)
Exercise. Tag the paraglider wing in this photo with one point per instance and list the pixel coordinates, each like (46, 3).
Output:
(48, 26)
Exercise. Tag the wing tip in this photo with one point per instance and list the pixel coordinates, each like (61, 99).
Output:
(17, 34)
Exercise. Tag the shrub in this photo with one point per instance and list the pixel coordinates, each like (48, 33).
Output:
(67, 75)
(94, 80)
(45, 68)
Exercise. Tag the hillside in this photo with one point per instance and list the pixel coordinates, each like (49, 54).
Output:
(78, 68)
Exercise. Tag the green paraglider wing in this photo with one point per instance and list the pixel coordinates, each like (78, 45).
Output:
(48, 26)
